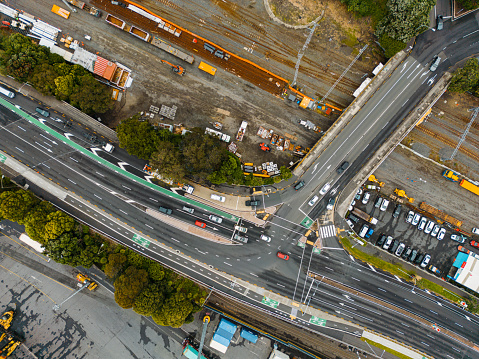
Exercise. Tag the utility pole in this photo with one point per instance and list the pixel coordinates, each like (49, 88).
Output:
(463, 137)
(57, 306)
(342, 75)
(301, 52)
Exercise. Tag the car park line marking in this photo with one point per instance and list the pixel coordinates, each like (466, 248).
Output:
(382, 289)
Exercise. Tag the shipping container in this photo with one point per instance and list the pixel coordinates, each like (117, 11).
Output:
(469, 186)
(115, 21)
(59, 11)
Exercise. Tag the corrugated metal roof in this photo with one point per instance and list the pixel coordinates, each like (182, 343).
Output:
(226, 326)
(249, 335)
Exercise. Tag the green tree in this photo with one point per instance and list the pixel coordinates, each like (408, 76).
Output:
(57, 224)
(116, 262)
(174, 311)
(15, 205)
(64, 249)
(156, 271)
(285, 173)
(469, 4)
(149, 301)
(129, 285)
(137, 137)
(36, 219)
(167, 161)
(391, 46)
(43, 79)
(91, 96)
(466, 78)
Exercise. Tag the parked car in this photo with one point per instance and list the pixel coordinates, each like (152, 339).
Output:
(240, 238)
(378, 202)
(325, 189)
(416, 219)
(388, 242)
(353, 218)
(397, 211)
(282, 256)
(425, 261)
(241, 229)
(422, 223)
(366, 197)
(265, 238)
(313, 201)
(358, 194)
(474, 244)
(350, 224)
(441, 234)
(382, 238)
(409, 217)
(299, 185)
(384, 205)
(419, 258)
(256, 202)
(434, 269)
(400, 249)
(217, 197)
(457, 238)
(363, 231)
(429, 227)
(413, 255)
(435, 230)
(394, 246)
(372, 187)
(406, 253)
(475, 231)
(330, 205)
(369, 233)
(200, 224)
(216, 219)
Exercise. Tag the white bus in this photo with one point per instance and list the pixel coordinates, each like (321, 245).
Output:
(7, 93)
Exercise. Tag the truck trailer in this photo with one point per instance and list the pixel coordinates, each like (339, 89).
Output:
(469, 186)
(439, 214)
(112, 20)
(157, 42)
(365, 216)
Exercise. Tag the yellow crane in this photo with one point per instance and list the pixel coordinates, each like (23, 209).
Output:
(373, 178)
(402, 193)
(13, 341)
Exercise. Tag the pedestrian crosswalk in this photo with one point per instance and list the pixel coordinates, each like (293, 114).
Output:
(327, 231)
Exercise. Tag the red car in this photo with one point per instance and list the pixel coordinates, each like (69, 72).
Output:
(282, 256)
(475, 244)
(200, 224)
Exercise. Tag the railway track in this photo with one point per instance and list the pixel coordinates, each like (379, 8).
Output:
(455, 132)
(448, 142)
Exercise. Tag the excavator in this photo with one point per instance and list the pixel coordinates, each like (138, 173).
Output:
(12, 340)
(402, 193)
(176, 68)
(373, 178)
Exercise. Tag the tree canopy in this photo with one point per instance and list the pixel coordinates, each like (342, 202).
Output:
(466, 78)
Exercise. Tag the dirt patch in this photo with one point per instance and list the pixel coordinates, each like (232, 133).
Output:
(296, 12)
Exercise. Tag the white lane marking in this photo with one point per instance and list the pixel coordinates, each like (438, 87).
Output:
(355, 279)
(253, 274)
(148, 226)
(352, 258)
(372, 268)
(405, 325)
(400, 332)
(21, 128)
(332, 270)
(98, 173)
(425, 344)
(46, 166)
(153, 199)
(128, 188)
(20, 150)
(407, 300)
(455, 349)
(432, 311)
(71, 181)
(228, 264)
(73, 159)
(281, 285)
(97, 196)
(459, 325)
(382, 289)
(175, 240)
(123, 211)
(470, 34)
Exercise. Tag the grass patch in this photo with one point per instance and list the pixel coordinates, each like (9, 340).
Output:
(389, 350)
(350, 39)
(436, 288)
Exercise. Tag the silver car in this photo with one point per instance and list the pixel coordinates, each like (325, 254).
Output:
(215, 218)
(416, 219)
(429, 227)
(435, 230)
(422, 223)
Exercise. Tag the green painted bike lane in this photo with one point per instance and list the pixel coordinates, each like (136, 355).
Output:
(110, 165)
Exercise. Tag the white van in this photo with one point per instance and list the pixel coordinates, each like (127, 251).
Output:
(6, 92)
(217, 197)
(363, 231)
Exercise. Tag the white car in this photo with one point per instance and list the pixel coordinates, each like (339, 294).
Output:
(429, 227)
(366, 197)
(409, 217)
(216, 219)
(416, 219)
(313, 200)
(441, 234)
(384, 205)
(330, 205)
(265, 238)
(435, 230)
(422, 223)
(350, 224)
(358, 194)
(325, 189)
(425, 261)
(475, 230)
(217, 197)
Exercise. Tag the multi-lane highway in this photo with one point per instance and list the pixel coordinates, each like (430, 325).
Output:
(127, 199)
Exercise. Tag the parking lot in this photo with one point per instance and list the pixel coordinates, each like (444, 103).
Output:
(442, 252)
